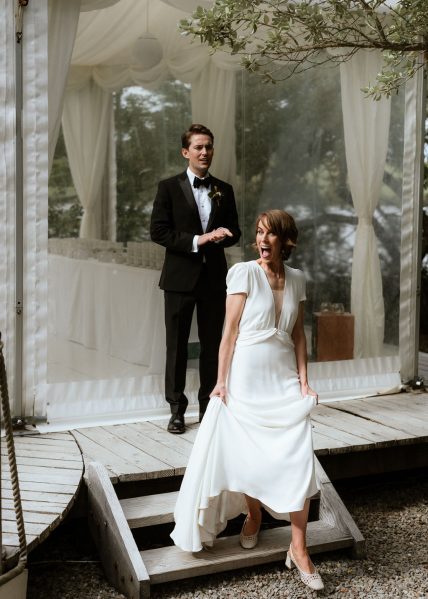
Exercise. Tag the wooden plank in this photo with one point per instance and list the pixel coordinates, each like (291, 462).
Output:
(12, 540)
(338, 434)
(373, 432)
(41, 507)
(333, 512)
(117, 467)
(380, 414)
(68, 445)
(121, 559)
(61, 436)
(30, 464)
(176, 443)
(170, 563)
(31, 528)
(138, 462)
(412, 405)
(149, 509)
(34, 495)
(44, 487)
(33, 517)
(40, 453)
(70, 477)
(139, 437)
(191, 429)
(155, 450)
(324, 445)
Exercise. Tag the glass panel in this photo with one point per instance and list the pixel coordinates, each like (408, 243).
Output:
(105, 313)
(292, 156)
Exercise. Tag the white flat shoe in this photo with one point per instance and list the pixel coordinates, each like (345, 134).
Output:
(311, 579)
(248, 541)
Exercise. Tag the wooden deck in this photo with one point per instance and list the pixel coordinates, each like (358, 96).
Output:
(51, 467)
(145, 450)
(50, 470)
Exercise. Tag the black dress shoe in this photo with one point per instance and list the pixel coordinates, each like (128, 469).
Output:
(176, 425)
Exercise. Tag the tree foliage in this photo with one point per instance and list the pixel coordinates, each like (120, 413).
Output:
(272, 33)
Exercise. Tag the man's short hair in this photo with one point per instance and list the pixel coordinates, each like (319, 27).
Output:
(195, 129)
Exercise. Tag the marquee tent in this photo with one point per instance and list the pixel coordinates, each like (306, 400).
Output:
(75, 54)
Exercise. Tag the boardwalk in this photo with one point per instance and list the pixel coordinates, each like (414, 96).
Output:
(145, 450)
(51, 466)
(50, 469)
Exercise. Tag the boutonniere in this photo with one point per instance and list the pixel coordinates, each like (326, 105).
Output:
(216, 195)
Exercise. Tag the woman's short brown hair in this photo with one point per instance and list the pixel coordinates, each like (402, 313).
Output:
(281, 224)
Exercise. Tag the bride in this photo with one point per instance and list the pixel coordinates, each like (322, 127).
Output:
(254, 445)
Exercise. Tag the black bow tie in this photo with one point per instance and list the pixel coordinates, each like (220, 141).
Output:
(204, 182)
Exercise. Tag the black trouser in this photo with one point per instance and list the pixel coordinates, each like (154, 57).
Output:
(210, 311)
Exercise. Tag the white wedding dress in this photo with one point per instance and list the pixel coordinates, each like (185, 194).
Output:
(260, 442)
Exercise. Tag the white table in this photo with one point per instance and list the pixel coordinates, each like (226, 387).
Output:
(113, 308)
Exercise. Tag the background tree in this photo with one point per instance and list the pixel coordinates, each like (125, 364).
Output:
(272, 33)
(148, 130)
(65, 211)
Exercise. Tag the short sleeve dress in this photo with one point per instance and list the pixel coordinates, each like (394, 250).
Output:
(260, 442)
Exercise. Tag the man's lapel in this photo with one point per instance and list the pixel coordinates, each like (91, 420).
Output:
(184, 183)
(214, 204)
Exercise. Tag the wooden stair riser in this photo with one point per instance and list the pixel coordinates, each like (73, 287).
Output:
(133, 571)
(170, 563)
(152, 510)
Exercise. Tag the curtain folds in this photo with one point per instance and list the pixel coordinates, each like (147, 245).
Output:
(411, 223)
(86, 126)
(63, 18)
(101, 69)
(213, 103)
(366, 128)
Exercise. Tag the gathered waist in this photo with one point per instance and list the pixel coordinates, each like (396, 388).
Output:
(258, 335)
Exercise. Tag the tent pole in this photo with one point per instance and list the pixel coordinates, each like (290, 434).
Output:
(19, 218)
(420, 227)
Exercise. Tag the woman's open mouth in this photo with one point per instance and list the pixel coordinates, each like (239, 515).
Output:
(265, 251)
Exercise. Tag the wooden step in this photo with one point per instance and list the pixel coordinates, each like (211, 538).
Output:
(149, 509)
(170, 563)
(133, 571)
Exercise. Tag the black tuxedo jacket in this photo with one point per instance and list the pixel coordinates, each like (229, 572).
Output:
(175, 221)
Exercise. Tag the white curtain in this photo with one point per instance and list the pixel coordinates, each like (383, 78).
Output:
(86, 125)
(63, 18)
(411, 223)
(111, 66)
(366, 128)
(213, 103)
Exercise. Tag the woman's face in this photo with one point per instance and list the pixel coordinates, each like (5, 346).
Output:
(268, 244)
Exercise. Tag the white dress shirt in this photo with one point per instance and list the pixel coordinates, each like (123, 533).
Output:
(203, 202)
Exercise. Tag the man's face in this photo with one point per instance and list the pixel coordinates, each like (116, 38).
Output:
(199, 154)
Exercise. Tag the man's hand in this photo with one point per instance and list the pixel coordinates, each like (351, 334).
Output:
(214, 236)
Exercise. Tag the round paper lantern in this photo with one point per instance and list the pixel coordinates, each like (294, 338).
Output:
(147, 51)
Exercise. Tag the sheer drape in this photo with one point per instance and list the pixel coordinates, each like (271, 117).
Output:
(86, 125)
(113, 66)
(411, 223)
(366, 128)
(213, 103)
(63, 18)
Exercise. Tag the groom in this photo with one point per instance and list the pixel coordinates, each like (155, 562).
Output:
(194, 217)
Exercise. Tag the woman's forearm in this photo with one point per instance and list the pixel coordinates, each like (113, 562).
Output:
(301, 358)
(227, 347)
